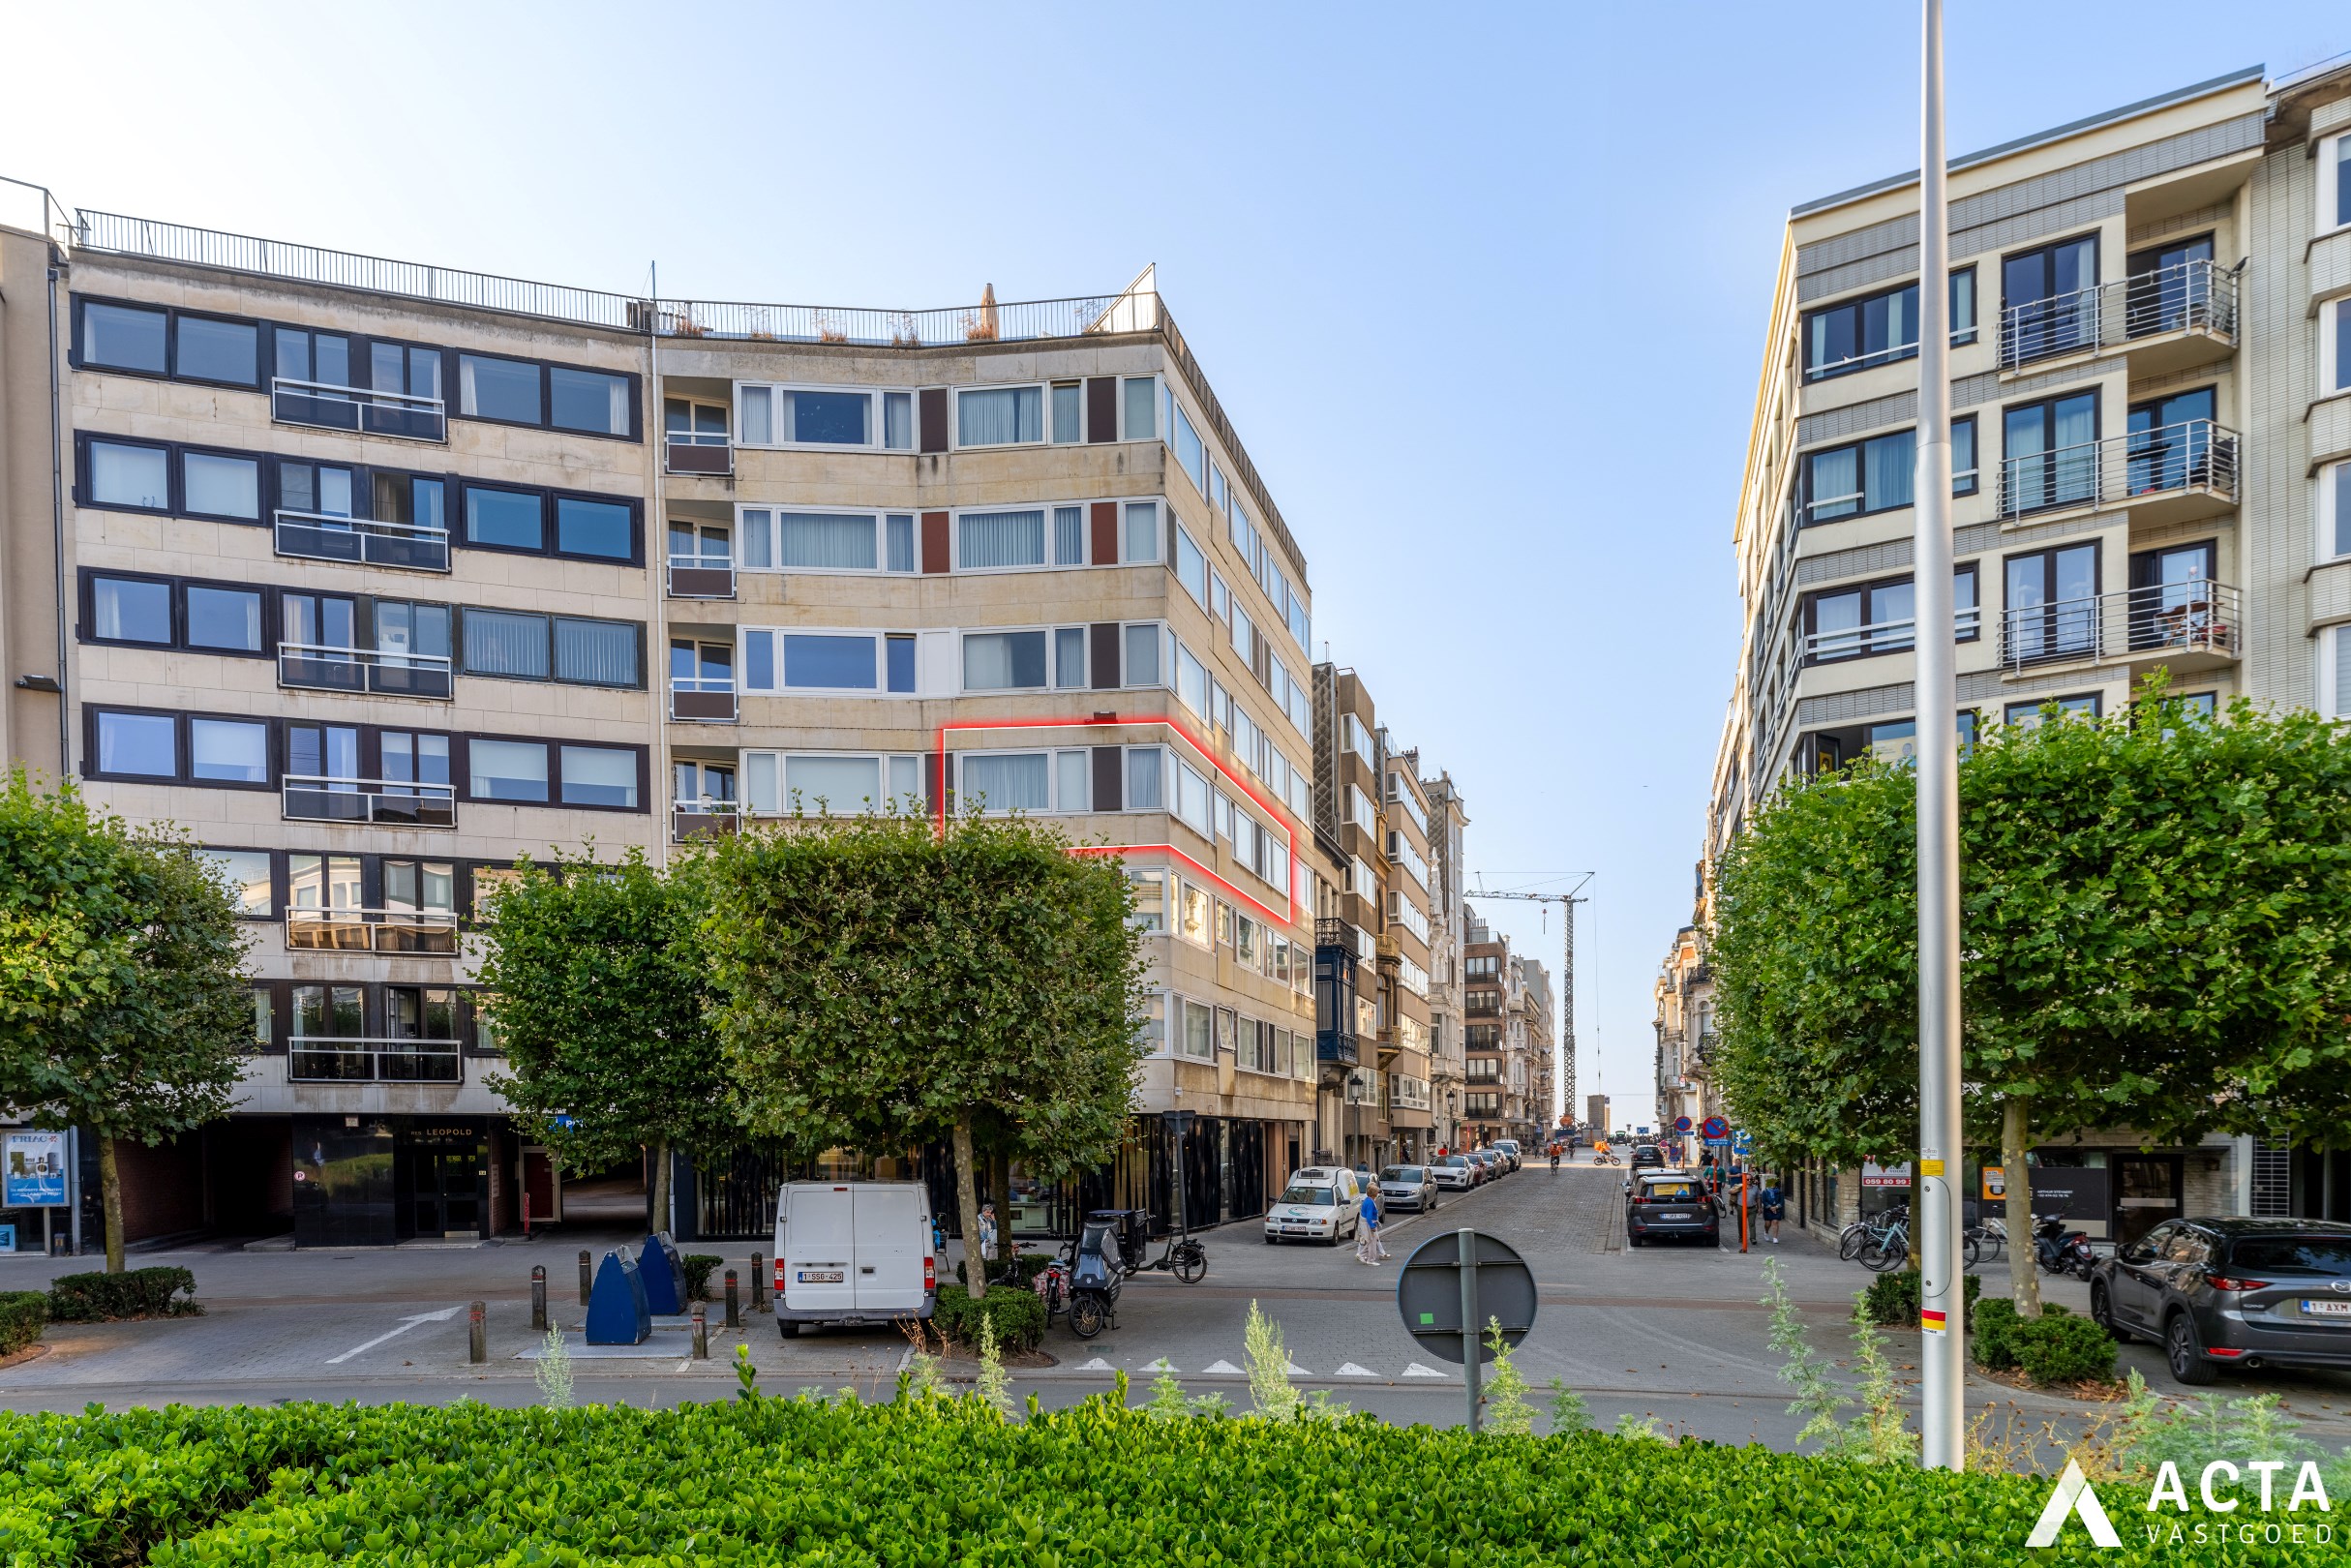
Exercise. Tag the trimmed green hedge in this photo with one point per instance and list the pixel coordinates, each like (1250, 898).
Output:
(2055, 1348)
(1018, 1317)
(93, 1298)
(933, 1484)
(23, 1313)
(1892, 1299)
(697, 1267)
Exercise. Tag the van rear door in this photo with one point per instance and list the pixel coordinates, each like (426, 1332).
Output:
(891, 1239)
(820, 1249)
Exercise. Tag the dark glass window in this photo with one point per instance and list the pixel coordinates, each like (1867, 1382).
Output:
(1867, 477)
(901, 654)
(322, 357)
(829, 662)
(122, 337)
(142, 745)
(1857, 334)
(585, 527)
(588, 400)
(509, 518)
(599, 775)
(210, 350)
(131, 610)
(498, 388)
(1965, 481)
(224, 618)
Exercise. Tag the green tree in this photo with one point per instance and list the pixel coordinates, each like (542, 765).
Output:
(124, 1005)
(880, 987)
(599, 987)
(2156, 935)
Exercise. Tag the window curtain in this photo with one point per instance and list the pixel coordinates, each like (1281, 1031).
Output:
(1009, 781)
(503, 643)
(1000, 416)
(822, 541)
(596, 653)
(900, 528)
(1001, 539)
(221, 486)
(898, 421)
(2076, 457)
(598, 775)
(843, 786)
(1889, 467)
(1003, 662)
(758, 418)
(507, 769)
(758, 544)
(1142, 655)
(1143, 770)
(1069, 537)
(1832, 484)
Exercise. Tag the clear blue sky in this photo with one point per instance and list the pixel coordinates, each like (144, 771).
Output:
(1483, 287)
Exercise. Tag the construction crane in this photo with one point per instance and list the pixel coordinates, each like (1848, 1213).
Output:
(1567, 902)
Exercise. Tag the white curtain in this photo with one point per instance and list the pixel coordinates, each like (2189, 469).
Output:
(758, 544)
(598, 775)
(757, 417)
(1142, 656)
(236, 751)
(128, 475)
(825, 541)
(1003, 662)
(900, 527)
(596, 653)
(1008, 781)
(1069, 537)
(1142, 542)
(221, 486)
(1072, 786)
(1143, 773)
(1000, 416)
(844, 786)
(1001, 539)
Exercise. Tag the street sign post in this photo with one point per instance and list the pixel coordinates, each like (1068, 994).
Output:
(1715, 1130)
(1450, 1287)
(1681, 1125)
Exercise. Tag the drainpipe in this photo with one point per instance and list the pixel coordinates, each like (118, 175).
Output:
(65, 726)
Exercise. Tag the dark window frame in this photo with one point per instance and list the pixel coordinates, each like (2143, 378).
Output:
(1967, 481)
(83, 440)
(263, 471)
(461, 770)
(1804, 458)
(260, 339)
(548, 619)
(452, 394)
(77, 355)
(1894, 356)
(183, 748)
(2046, 406)
(460, 528)
(1807, 625)
(176, 639)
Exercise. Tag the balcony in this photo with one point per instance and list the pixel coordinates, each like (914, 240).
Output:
(701, 452)
(698, 577)
(690, 819)
(371, 930)
(2195, 625)
(2171, 319)
(326, 406)
(367, 671)
(355, 1059)
(359, 541)
(381, 803)
(1839, 643)
(703, 698)
(2172, 473)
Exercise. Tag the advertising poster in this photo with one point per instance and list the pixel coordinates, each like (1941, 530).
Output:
(32, 1169)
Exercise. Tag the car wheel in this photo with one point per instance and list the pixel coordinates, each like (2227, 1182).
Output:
(787, 1329)
(1272, 1240)
(2183, 1350)
(2101, 1312)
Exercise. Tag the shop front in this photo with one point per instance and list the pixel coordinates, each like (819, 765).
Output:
(372, 1181)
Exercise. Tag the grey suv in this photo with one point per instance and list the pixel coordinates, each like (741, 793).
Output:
(2231, 1292)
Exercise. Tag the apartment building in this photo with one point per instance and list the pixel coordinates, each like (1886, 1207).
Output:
(1532, 1014)
(1406, 943)
(1447, 824)
(1507, 1033)
(2151, 375)
(1349, 825)
(378, 576)
(1685, 1037)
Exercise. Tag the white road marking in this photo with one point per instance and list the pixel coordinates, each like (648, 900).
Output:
(1416, 1369)
(1296, 1371)
(1098, 1364)
(1162, 1365)
(406, 1324)
(1350, 1370)
(685, 1366)
(1221, 1369)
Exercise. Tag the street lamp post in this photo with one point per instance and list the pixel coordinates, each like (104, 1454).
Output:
(1937, 726)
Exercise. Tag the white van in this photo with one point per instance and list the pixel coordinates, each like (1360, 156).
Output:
(1322, 1203)
(853, 1252)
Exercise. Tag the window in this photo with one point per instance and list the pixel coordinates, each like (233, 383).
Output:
(2334, 511)
(1069, 412)
(224, 620)
(1878, 617)
(1191, 454)
(1199, 1034)
(138, 745)
(1008, 781)
(1150, 899)
(1191, 680)
(823, 416)
(599, 776)
(2335, 672)
(120, 474)
(1191, 567)
(1146, 769)
(321, 358)
(2335, 346)
(1410, 860)
(1069, 658)
(591, 401)
(1070, 536)
(999, 416)
(504, 519)
(505, 389)
(232, 751)
(1873, 475)
(316, 488)
(1964, 480)
(205, 349)
(2049, 296)
(123, 337)
(1141, 399)
(991, 540)
(1879, 329)
(595, 652)
(589, 526)
(1003, 662)
(2029, 714)
(507, 770)
(129, 610)
(816, 541)
(403, 367)
(2334, 183)
(2051, 605)
(796, 784)
(594, 527)
(830, 662)
(2049, 454)
(213, 484)
(508, 643)
(1196, 802)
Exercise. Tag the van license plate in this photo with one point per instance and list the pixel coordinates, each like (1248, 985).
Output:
(2327, 1309)
(821, 1275)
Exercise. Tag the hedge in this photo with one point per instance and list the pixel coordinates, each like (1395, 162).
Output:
(91, 1298)
(2056, 1348)
(22, 1316)
(1892, 1299)
(1017, 1315)
(697, 1268)
(939, 1483)
(1019, 1270)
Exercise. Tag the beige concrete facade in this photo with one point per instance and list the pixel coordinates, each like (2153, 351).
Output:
(1448, 826)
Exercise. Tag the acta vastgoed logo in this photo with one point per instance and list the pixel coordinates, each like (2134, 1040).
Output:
(2074, 1497)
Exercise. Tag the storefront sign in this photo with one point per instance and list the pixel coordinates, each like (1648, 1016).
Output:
(32, 1170)
(1875, 1175)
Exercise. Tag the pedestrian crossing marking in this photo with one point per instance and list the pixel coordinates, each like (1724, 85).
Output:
(1223, 1369)
(1162, 1365)
(1296, 1371)
(1416, 1369)
(1350, 1370)
(1098, 1364)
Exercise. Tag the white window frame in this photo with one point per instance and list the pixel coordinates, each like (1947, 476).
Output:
(775, 540)
(2334, 489)
(917, 801)
(875, 421)
(962, 632)
(1044, 417)
(1157, 396)
(2331, 701)
(2333, 379)
(881, 663)
(2332, 153)
(1054, 805)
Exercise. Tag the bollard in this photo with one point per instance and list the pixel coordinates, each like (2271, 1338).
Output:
(538, 1298)
(587, 1279)
(734, 1303)
(702, 1334)
(759, 1282)
(477, 1336)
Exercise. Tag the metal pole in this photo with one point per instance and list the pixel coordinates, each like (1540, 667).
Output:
(586, 1277)
(477, 1335)
(538, 1298)
(1937, 723)
(1466, 1243)
(734, 1302)
(759, 1281)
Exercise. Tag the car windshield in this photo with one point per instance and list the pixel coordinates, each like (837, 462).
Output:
(1309, 1195)
(1457, 1161)
(1401, 1173)
(1669, 1192)
(2291, 1254)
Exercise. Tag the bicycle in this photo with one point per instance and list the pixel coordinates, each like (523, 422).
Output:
(1991, 1238)
(1185, 1258)
(1888, 1248)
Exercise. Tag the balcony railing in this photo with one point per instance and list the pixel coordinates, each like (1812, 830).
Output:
(372, 1058)
(703, 698)
(327, 406)
(2193, 296)
(323, 667)
(2195, 457)
(371, 930)
(2164, 621)
(376, 801)
(360, 541)
(699, 577)
(701, 452)
(1879, 637)
(704, 819)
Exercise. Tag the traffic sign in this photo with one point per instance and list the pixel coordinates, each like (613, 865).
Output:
(1681, 1124)
(1716, 1129)
(1452, 1286)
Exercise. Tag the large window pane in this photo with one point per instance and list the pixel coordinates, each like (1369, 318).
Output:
(812, 659)
(823, 541)
(1144, 766)
(129, 476)
(1142, 540)
(1003, 662)
(595, 652)
(1000, 416)
(498, 388)
(898, 421)
(585, 527)
(507, 518)
(122, 337)
(1069, 537)
(219, 486)
(1067, 418)
(1142, 655)
(145, 744)
(900, 527)
(1142, 399)
(246, 874)
(506, 642)
(987, 539)
(1191, 567)
(224, 618)
(1014, 781)
(599, 775)
(131, 610)
(829, 418)
(231, 751)
(588, 400)
(840, 785)
(899, 648)
(219, 350)
(507, 769)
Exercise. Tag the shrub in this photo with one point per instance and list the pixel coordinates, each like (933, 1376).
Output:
(1995, 1324)
(2059, 1347)
(22, 1316)
(97, 1298)
(1015, 1316)
(698, 1267)
(1019, 1271)
(1892, 1299)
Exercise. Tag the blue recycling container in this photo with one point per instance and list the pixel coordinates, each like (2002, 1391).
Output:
(664, 1276)
(616, 1310)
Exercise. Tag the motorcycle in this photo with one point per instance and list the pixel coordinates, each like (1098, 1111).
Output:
(2059, 1251)
(1097, 1268)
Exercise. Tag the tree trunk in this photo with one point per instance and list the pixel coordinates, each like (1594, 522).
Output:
(661, 1185)
(967, 1211)
(110, 1191)
(2023, 1276)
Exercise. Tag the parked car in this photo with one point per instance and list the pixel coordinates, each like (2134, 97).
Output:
(1489, 1163)
(1456, 1174)
(1508, 1149)
(1407, 1187)
(1670, 1203)
(2231, 1292)
(856, 1253)
(1646, 1157)
(1322, 1203)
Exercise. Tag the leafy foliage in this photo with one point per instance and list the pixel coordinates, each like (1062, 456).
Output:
(24, 1314)
(93, 1298)
(1994, 1340)
(1892, 1299)
(698, 1267)
(1016, 1317)
(2059, 1347)
(1508, 1414)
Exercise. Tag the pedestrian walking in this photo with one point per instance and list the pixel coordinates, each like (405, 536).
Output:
(1775, 1209)
(1367, 1248)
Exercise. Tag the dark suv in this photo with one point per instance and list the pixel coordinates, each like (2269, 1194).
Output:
(1649, 1156)
(1670, 1203)
(2231, 1292)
